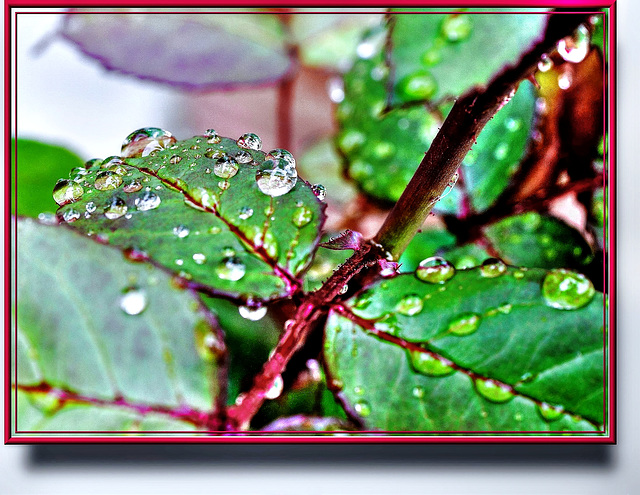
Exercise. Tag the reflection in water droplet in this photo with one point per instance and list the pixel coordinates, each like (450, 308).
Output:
(429, 365)
(335, 88)
(281, 154)
(302, 216)
(456, 27)
(144, 141)
(320, 191)
(252, 313)
(71, 215)
(245, 212)
(565, 289)
(132, 186)
(545, 64)
(243, 157)
(225, 167)
(175, 159)
(575, 48)
(417, 392)
(147, 201)
(199, 258)
(420, 85)
(435, 270)
(363, 408)
(133, 301)
(181, 231)
(250, 141)
(107, 180)
(409, 305)
(116, 208)
(564, 81)
(65, 192)
(464, 324)
(231, 268)
(492, 268)
(212, 136)
(276, 388)
(494, 391)
(549, 412)
(276, 177)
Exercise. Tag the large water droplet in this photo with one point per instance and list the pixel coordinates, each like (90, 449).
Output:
(302, 216)
(281, 154)
(276, 177)
(225, 167)
(252, 313)
(116, 208)
(464, 324)
(575, 48)
(65, 192)
(147, 201)
(492, 268)
(494, 391)
(144, 141)
(565, 289)
(409, 305)
(231, 268)
(250, 141)
(133, 301)
(429, 365)
(276, 388)
(107, 180)
(456, 27)
(181, 231)
(435, 270)
(549, 412)
(420, 85)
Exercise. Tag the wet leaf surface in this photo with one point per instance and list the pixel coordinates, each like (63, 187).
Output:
(456, 51)
(39, 166)
(198, 208)
(103, 343)
(207, 51)
(534, 240)
(489, 349)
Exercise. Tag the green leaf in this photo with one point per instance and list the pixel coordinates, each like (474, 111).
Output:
(533, 240)
(196, 209)
(321, 164)
(424, 245)
(501, 146)
(103, 343)
(412, 355)
(382, 152)
(215, 50)
(456, 51)
(466, 256)
(39, 166)
(331, 39)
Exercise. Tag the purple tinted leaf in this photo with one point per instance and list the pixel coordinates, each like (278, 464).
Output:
(191, 51)
(348, 239)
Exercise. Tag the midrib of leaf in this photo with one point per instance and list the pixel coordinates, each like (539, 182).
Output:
(291, 282)
(368, 327)
(184, 413)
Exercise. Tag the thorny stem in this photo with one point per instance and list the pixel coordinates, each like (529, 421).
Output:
(467, 118)
(297, 331)
(461, 128)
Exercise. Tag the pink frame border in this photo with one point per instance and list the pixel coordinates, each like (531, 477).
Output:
(609, 77)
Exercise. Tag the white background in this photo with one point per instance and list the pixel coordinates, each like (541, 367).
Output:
(485, 470)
